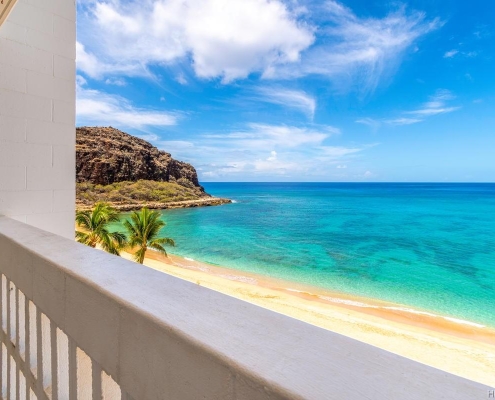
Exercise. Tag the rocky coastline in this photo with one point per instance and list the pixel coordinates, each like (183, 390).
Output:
(202, 202)
(129, 173)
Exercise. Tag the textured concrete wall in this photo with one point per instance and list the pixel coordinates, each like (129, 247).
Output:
(37, 114)
(160, 337)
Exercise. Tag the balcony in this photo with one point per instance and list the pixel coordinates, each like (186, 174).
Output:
(77, 323)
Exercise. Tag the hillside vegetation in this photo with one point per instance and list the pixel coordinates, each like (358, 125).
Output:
(129, 173)
(127, 196)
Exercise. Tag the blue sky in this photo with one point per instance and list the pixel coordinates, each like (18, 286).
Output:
(273, 90)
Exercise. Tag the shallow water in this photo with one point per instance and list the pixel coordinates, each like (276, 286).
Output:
(431, 246)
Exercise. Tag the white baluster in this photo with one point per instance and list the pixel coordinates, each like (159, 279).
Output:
(63, 365)
(54, 359)
(84, 376)
(72, 370)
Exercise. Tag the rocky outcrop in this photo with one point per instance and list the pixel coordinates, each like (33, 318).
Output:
(122, 206)
(108, 155)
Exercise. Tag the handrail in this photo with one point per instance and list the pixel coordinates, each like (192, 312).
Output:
(78, 322)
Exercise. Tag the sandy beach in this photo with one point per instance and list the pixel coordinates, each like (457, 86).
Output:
(460, 347)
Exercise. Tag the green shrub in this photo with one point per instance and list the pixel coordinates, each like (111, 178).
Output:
(137, 192)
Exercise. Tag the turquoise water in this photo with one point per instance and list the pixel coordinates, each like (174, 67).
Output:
(431, 246)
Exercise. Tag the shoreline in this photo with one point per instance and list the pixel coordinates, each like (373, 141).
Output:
(461, 347)
(201, 202)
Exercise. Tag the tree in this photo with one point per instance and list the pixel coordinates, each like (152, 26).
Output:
(143, 230)
(94, 230)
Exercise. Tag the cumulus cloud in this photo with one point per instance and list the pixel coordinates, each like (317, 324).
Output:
(100, 108)
(295, 99)
(222, 38)
(232, 39)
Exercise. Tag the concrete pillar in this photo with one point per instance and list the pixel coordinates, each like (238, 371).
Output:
(37, 113)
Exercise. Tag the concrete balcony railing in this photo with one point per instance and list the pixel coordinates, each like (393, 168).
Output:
(80, 324)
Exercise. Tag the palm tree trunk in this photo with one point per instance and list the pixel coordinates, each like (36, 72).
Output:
(141, 259)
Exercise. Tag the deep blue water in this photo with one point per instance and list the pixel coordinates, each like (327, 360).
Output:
(431, 246)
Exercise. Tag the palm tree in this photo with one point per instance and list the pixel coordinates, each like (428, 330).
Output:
(143, 230)
(94, 228)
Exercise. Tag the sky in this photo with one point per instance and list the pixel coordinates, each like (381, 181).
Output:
(297, 90)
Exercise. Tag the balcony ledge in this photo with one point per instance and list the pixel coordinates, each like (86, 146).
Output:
(160, 337)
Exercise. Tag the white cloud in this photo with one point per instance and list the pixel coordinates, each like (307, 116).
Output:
(181, 79)
(261, 151)
(433, 111)
(100, 108)
(335, 152)
(454, 53)
(87, 62)
(273, 156)
(450, 54)
(362, 49)
(232, 39)
(262, 136)
(223, 38)
(403, 121)
(436, 105)
(80, 81)
(99, 67)
(341, 166)
(372, 123)
(116, 81)
(296, 99)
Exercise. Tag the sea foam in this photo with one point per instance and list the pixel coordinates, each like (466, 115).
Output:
(354, 303)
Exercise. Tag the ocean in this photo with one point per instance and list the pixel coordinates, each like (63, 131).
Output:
(430, 246)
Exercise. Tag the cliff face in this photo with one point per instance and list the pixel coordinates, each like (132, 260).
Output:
(107, 155)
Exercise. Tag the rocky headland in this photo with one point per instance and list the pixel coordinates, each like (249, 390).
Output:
(130, 173)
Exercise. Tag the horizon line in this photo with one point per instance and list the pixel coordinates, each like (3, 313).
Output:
(358, 182)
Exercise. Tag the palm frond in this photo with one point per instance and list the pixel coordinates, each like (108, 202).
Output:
(82, 237)
(158, 247)
(83, 219)
(168, 241)
(143, 228)
(119, 238)
(139, 255)
(95, 224)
